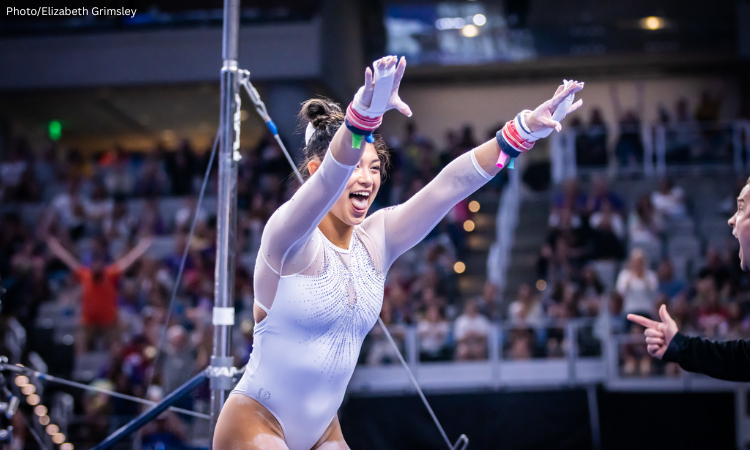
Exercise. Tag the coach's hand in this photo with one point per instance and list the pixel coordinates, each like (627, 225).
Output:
(658, 334)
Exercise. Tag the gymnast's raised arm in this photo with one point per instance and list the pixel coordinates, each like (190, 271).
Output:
(406, 225)
(288, 230)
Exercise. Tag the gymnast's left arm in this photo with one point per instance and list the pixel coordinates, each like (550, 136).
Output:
(407, 224)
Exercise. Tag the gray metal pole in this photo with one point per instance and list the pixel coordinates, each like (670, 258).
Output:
(223, 316)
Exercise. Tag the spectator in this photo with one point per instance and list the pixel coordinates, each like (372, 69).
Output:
(600, 192)
(488, 301)
(181, 167)
(167, 430)
(571, 198)
(179, 357)
(644, 225)
(69, 209)
(433, 332)
(629, 147)
(669, 200)
(381, 351)
(638, 285)
(712, 315)
(608, 233)
(471, 331)
(526, 309)
(716, 268)
(669, 285)
(99, 297)
(98, 207)
(119, 224)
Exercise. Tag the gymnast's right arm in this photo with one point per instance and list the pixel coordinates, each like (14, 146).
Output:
(288, 230)
(290, 227)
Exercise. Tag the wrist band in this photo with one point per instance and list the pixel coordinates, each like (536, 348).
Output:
(511, 145)
(358, 134)
(362, 122)
(361, 126)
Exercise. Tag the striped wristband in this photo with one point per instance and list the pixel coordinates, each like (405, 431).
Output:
(361, 126)
(511, 145)
(362, 122)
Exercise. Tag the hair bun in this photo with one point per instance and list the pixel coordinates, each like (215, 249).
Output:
(321, 112)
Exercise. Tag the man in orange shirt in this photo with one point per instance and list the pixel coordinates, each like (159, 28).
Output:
(99, 297)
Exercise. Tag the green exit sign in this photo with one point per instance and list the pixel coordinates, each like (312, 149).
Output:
(55, 130)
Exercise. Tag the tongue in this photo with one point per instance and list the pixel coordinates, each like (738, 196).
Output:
(359, 202)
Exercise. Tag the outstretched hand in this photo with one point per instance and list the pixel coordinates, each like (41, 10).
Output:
(658, 334)
(542, 117)
(384, 65)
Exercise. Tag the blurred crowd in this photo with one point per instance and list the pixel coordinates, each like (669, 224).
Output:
(605, 260)
(687, 133)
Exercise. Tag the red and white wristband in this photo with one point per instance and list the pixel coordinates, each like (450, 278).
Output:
(511, 145)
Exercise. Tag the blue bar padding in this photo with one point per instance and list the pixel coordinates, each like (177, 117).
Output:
(272, 127)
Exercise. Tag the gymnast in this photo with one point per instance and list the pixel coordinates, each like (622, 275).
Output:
(321, 268)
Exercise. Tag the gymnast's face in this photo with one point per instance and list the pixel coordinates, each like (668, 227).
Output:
(740, 223)
(359, 193)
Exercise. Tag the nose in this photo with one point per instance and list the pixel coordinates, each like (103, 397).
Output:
(732, 220)
(365, 178)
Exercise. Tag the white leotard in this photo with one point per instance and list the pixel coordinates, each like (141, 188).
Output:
(321, 300)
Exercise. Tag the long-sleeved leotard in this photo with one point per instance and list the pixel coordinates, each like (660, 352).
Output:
(321, 300)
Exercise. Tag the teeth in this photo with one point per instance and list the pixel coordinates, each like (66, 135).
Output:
(362, 193)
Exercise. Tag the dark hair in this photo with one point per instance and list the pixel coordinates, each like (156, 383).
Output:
(327, 117)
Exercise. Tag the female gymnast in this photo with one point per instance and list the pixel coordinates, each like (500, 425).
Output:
(321, 268)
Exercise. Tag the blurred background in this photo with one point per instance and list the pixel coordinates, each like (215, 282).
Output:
(511, 312)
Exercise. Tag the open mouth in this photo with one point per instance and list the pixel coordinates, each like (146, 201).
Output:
(360, 200)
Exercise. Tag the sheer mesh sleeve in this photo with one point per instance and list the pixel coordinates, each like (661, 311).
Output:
(284, 242)
(399, 228)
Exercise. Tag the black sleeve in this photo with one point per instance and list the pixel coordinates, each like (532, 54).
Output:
(729, 360)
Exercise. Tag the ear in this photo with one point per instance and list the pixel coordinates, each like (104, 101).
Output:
(312, 166)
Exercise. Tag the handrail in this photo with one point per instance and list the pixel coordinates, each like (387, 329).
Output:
(572, 369)
(655, 140)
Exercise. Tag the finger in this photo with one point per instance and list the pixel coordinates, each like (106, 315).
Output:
(559, 89)
(654, 341)
(575, 106)
(640, 320)
(399, 73)
(665, 317)
(558, 98)
(402, 107)
(650, 332)
(653, 349)
(571, 88)
(369, 86)
(550, 123)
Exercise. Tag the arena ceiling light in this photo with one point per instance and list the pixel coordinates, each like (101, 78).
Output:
(460, 23)
(479, 19)
(470, 31)
(652, 23)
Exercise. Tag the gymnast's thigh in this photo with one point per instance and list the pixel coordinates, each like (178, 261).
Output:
(245, 424)
(333, 438)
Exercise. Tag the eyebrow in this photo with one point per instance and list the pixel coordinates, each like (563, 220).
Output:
(740, 199)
